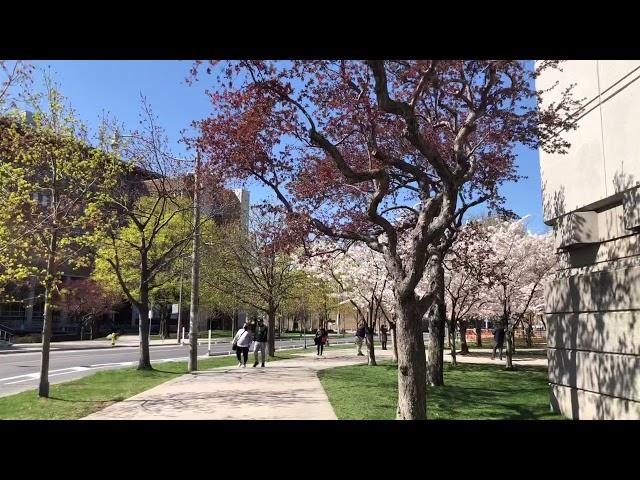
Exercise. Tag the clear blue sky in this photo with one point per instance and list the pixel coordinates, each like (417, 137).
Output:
(115, 86)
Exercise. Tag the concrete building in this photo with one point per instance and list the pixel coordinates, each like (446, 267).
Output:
(591, 197)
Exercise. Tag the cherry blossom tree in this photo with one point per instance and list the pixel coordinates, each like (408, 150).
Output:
(465, 277)
(360, 278)
(520, 262)
(347, 145)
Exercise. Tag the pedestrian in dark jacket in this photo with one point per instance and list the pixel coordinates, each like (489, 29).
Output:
(498, 341)
(260, 337)
(360, 334)
(320, 339)
(383, 336)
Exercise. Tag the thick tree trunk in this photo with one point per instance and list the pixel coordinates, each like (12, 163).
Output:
(464, 348)
(394, 342)
(412, 371)
(435, 364)
(144, 362)
(371, 360)
(437, 322)
(43, 389)
(271, 337)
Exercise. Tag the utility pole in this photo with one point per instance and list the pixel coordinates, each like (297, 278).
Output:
(180, 303)
(195, 271)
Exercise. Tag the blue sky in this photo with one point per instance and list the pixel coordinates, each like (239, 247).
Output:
(114, 86)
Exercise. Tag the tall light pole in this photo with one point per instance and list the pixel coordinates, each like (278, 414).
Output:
(195, 271)
(180, 303)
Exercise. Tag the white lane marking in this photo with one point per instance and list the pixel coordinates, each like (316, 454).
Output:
(52, 373)
(62, 371)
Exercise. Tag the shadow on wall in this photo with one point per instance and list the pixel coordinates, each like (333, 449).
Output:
(594, 339)
(623, 181)
(554, 204)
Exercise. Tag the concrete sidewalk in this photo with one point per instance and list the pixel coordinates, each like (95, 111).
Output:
(283, 390)
(525, 357)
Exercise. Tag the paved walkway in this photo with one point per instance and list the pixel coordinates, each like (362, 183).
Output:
(525, 357)
(283, 390)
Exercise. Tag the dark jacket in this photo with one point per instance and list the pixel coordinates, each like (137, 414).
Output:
(261, 333)
(361, 332)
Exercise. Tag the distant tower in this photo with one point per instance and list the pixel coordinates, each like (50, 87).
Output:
(243, 197)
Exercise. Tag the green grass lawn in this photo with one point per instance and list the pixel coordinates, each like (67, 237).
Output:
(471, 392)
(81, 397)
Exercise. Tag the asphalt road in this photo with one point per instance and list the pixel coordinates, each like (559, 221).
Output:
(20, 371)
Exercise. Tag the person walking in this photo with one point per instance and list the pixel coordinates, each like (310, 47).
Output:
(360, 334)
(260, 342)
(320, 339)
(498, 341)
(383, 336)
(241, 344)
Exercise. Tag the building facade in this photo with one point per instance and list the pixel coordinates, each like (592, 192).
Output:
(591, 197)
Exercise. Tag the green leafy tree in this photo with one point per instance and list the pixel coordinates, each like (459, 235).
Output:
(50, 178)
(139, 257)
(252, 268)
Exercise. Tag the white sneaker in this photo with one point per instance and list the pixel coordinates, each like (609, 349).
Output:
(244, 365)
(240, 364)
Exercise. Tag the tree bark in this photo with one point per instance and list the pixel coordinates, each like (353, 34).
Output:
(371, 360)
(412, 384)
(144, 362)
(43, 389)
(478, 334)
(435, 364)
(437, 321)
(271, 338)
(394, 342)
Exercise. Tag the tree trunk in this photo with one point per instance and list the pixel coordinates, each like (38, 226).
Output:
(271, 338)
(478, 334)
(437, 322)
(412, 371)
(43, 389)
(509, 353)
(371, 360)
(195, 272)
(394, 343)
(435, 349)
(144, 362)
(464, 348)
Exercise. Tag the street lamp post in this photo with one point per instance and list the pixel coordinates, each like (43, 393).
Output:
(180, 303)
(195, 271)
